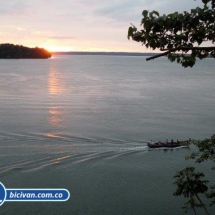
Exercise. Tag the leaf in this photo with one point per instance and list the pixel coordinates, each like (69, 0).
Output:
(156, 13)
(193, 11)
(130, 32)
(164, 17)
(205, 1)
(147, 25)
(145, 13)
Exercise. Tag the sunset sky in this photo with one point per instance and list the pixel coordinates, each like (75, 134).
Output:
(79, 25)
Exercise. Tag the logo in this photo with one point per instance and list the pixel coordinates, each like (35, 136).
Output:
(32, 195)
(2, 193)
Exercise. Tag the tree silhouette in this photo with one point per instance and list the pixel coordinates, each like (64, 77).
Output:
(190, 186)
(179, 35)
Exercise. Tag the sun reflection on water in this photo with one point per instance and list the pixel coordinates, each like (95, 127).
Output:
(55, 82)
(56, 117)
(56, 90)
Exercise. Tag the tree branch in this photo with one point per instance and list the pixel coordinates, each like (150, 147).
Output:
(210, 48)
(159, 55)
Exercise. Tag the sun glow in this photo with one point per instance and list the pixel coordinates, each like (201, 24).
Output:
(59, 48)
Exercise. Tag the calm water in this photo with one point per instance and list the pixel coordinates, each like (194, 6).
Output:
(82, 123)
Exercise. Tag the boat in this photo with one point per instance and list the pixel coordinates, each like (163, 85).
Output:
(167, 145)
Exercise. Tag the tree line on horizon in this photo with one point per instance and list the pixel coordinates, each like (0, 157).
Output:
(11, 51)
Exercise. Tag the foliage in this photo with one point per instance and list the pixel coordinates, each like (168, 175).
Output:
(16, 51)
(190, 186)
(178, 34)
(189, 183)
(206, 150)
(211, 195)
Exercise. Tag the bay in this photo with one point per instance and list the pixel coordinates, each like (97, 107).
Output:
(82, 123)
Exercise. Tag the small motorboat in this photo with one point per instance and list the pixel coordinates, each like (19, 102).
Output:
(167, 145)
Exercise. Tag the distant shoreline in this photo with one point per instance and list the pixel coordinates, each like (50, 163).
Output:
(11, 51)
(149, 54)
(105, 53)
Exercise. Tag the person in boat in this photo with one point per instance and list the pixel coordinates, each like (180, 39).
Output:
(171, 141)
(177, 141)
(151, 142)
(166, 142)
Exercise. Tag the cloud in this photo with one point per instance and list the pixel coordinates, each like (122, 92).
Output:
(13, 7)
(70, 22)
(169, 6)
(123, 12)
(120, 11)
(126, 8)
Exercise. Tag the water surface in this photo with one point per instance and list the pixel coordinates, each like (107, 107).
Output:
(82, 123)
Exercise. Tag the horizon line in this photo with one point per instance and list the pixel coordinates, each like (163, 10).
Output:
(104, 53)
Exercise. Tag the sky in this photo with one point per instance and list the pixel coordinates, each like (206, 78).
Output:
(79, 25)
